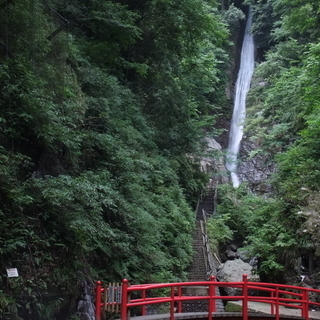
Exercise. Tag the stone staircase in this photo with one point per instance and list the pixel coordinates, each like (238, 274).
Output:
(206, 204)
(197, 271)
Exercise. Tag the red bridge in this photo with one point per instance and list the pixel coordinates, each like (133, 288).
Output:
(278, 301)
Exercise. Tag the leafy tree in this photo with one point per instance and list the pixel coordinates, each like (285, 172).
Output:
(270, 233)
(101, 127)
(300, 18)
(232, 16)
(283, 121)
(265, 20)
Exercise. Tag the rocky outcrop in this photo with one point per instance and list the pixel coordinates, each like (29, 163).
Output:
(214, 165)
(232, 271)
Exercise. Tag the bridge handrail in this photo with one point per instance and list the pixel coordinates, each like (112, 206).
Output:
(297, 297)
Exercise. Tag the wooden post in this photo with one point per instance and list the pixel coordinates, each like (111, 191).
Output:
(98, 300)
(105, 299)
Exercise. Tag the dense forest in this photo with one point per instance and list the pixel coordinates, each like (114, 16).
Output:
(104, 110)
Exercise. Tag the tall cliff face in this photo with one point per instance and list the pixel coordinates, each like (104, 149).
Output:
(253, 170)
(237, 28)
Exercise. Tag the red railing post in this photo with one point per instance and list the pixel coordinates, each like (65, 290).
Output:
(212, 302)
(179, 302)
(144, 307)
(277, 303)
(245, 297)
(98, 300)
(172, 304)
(272, 302)
(124, 299)
(305, 305)
(214, 280)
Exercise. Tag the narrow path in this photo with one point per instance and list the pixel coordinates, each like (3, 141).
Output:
(197, 271)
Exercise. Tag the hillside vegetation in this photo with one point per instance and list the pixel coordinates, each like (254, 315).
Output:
(103, 110)
(104, 107)
(282, 224)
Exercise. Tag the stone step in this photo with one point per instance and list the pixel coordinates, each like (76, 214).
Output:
(197, 270)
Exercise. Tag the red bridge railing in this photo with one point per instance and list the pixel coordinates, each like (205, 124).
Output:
(275, 295)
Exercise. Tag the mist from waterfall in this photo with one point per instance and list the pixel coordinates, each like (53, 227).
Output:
(239, 109)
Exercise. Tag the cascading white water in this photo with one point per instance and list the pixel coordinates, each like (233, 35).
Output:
(239, 109)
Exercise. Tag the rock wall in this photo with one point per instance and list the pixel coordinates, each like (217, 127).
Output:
(214, 164)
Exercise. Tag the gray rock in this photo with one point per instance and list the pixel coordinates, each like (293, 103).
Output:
(231, 255)
(214, 165)
(232, 271)
(244, 255)
(233, 247)
(86, 308)
(313, 296)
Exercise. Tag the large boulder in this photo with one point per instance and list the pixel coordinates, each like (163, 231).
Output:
(232, 271)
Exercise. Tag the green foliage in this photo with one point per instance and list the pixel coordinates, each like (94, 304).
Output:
(273, 111)
(262, 224)
(100, 133)
(183, 50)
(232, 16)
(283, 124)
(218, 231)
(7, 306)
(275, 245)
(106, 28)
(231, 307)
(310, 212)
(300, 18)
(264, 24)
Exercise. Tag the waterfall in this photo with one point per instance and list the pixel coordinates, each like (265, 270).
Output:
(239, 109)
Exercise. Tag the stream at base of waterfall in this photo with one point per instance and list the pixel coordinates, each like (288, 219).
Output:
(239, 108)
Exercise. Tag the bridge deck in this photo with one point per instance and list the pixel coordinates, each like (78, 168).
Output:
(257, 310)
(215, 315)
(219, 315)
